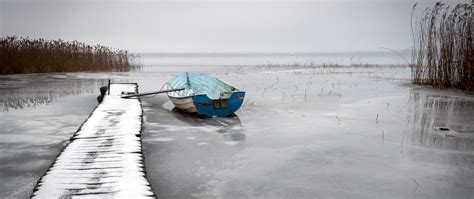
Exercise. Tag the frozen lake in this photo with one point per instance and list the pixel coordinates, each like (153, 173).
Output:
(316, 132)
(303, 132)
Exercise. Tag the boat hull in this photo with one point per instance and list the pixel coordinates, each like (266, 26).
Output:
(203, 105)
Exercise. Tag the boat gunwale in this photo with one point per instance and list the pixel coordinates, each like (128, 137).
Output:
(182, 97)
(232, 89)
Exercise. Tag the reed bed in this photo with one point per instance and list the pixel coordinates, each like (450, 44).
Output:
(25, 55)
(442, 50)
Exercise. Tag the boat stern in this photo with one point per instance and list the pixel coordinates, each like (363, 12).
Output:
(218, 107)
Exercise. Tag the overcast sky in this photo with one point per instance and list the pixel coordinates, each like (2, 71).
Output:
(216, 26)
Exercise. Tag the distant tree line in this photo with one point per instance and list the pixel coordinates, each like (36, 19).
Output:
(443, 48)
(25, 55)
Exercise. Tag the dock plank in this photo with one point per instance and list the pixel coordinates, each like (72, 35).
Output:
(104, 158)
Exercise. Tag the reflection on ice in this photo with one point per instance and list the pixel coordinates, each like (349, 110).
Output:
(441, 123)
(228, 126)
(29, 91)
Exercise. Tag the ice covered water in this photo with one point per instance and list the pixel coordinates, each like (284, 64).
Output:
(303, 132)
(307, 132)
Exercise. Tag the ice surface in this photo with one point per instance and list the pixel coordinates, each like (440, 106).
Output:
(303, 132)
(314, 132)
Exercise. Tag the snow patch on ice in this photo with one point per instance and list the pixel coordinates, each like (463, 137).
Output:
(230, 142)
(163, 139)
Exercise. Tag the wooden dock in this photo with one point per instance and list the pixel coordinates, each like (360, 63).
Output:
(104, 158)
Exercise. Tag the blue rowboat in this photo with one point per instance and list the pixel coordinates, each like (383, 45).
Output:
(204, 95)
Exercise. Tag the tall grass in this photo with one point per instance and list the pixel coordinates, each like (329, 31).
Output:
(25, 55)
(443, 53)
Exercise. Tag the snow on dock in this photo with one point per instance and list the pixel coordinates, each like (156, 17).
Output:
(104, 158)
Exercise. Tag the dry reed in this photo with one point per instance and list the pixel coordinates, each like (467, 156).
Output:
(442, 50)
(25, 55)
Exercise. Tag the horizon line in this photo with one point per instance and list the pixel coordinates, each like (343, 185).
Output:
(243, 53)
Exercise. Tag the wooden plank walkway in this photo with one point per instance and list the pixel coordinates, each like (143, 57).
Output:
(104, 158)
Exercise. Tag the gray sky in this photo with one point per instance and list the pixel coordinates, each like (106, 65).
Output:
(216, 26)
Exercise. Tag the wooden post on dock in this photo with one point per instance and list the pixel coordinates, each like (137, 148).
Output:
(108, 88)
